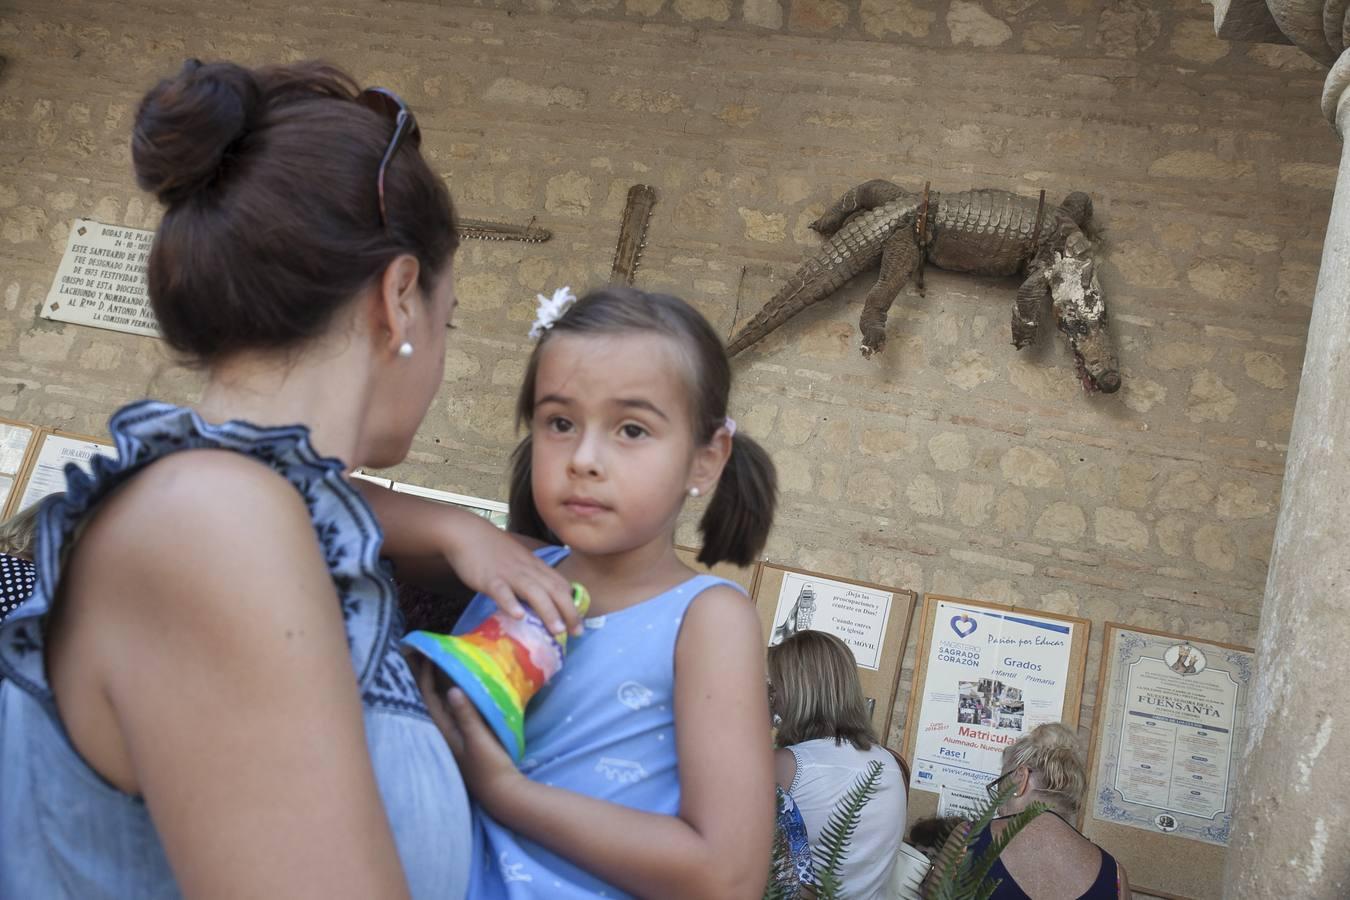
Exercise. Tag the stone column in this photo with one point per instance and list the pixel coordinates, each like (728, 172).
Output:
(1292, 834)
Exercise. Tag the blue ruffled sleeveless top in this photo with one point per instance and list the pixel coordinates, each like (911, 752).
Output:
(65, 832)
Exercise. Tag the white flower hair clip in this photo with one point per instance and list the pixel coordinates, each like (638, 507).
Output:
(550, 310)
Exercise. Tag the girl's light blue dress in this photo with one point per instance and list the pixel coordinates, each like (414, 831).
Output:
(605, 727)
(66, 833)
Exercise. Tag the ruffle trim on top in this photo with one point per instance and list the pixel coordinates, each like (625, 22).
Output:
(346, 529)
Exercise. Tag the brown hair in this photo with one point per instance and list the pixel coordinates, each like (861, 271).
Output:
(737, 521)
(815, 680)
(272, 221)
(1050, 752)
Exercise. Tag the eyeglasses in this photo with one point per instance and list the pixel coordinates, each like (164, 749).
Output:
(994, 787)
(391, 106)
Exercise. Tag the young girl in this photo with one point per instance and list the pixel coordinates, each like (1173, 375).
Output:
(648, 767)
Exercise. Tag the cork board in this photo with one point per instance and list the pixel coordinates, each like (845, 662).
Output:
(16, 445)
(743, 575)
(924, 803)
(857, 619)
(1164, 864)
(43, 469)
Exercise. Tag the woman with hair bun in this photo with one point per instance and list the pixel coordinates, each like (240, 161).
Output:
(205, 695)
(1048, 859)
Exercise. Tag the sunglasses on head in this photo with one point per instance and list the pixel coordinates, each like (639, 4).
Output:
(391, 106)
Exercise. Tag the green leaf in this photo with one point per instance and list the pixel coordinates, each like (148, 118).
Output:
(832, 847)
(963, 877)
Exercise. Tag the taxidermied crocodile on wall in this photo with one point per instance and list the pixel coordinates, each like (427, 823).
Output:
(982, 232)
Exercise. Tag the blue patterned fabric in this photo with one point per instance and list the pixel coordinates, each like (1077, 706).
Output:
(67, 832)
(604, 727)
(793, 868)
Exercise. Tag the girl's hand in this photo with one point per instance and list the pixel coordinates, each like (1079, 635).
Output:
(494, 563)
(489, 773)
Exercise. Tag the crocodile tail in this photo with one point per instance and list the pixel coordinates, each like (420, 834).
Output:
(819, 277)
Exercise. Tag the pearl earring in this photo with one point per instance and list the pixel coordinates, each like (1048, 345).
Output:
(694, 492)
(405, 350)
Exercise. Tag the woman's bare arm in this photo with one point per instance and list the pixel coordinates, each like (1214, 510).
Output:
(201, 622)
(432, 543)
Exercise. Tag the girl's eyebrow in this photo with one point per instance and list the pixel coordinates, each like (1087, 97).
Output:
(638, 403)
(622, 402)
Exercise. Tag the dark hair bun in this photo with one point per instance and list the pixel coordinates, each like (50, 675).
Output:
(187, 125)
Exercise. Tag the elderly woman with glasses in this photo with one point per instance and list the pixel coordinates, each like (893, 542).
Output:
(1049, 859)
(205, 694)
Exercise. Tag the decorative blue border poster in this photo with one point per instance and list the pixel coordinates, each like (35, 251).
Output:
(1174, 726)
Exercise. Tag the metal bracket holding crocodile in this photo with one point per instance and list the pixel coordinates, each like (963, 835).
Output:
(981, 232)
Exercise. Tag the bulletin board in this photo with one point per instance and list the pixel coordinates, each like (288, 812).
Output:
(745, 576)
(1072, 656)
(16, 442)
(1167, 736)
(873, 619)
(43, 470)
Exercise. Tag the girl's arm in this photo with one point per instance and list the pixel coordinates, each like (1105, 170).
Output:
(200, 661)
(718, 846)
(433, 545)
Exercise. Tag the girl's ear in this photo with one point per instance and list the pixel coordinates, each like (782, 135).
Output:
(709, 461)
(396, 303)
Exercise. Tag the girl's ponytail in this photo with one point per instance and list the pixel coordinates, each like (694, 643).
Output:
(523, 516)
(740, 514)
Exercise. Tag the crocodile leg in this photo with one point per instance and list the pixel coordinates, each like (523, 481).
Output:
(868, 195)
(1026, 311)
(900, 256)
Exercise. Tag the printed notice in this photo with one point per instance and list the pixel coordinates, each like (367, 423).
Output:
(855, 614)
(101, 279)
(14, 441)
(49, 470)
(990, 677)
(1175, 711)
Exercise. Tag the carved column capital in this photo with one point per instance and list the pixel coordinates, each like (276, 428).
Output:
(1334, 94)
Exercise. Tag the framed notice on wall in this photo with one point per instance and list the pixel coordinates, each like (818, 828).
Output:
(15, 440)
(1170, 722)
(872, 619)
(987, 674)
(44, 471)
(495, 511)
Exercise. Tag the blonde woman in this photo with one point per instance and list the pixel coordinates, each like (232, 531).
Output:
(1049, 859)
(826, 742)
(18, 575)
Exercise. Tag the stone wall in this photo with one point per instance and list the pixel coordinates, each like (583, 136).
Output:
(953, 464)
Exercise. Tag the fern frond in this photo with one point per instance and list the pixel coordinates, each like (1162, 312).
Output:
(979, 870)
(964, 878)
(832, 847)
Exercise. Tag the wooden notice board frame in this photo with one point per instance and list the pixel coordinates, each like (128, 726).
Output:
(1160, 864)
(16, 488)
(925, 803)
(31, 460)
(881, 684)
(745, 576)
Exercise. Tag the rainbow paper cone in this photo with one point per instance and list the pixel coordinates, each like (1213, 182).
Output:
(500, 665)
